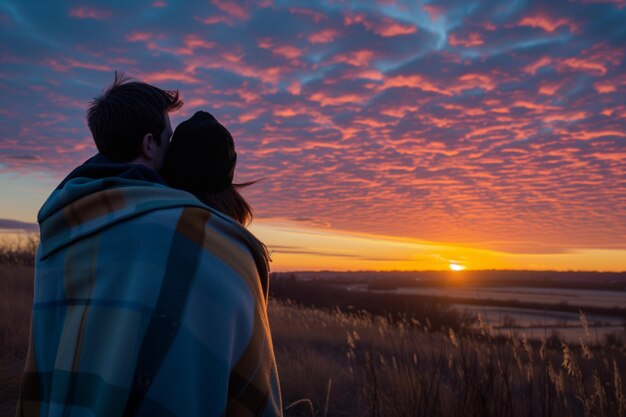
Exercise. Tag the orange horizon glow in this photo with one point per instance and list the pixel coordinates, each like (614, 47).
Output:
(298, 247)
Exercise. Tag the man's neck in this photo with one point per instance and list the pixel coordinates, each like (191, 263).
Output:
(143, 161)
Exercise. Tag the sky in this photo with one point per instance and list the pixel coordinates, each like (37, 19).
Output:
(391, 135)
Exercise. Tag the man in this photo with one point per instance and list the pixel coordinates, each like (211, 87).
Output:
(147, 302)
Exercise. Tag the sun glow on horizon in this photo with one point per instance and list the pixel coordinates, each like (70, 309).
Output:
(456, 267)
(300, 247)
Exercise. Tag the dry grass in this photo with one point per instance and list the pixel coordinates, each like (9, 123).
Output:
(381, 369)
(16, 287)
(17, 256)
(18, 250)
(334, 364)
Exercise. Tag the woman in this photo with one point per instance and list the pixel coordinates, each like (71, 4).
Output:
(201, 159)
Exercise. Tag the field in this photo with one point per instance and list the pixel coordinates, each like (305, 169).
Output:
(494, 305)
(352, 362)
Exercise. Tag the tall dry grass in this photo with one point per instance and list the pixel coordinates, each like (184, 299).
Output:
(16, 289)
(333, 364)
(18, 250)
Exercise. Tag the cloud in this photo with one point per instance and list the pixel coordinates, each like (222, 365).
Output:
(323, 36)
(14, 225)
(472, 39)
(233, 9)
(495, 125)
(382, 26)
(547, 23)
(298, 250)
(84, 12)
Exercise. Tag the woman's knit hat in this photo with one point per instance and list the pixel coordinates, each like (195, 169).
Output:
(201, 155)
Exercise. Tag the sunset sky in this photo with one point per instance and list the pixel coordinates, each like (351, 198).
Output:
(392, 135)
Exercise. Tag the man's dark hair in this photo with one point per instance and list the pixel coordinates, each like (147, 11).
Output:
(125, 113)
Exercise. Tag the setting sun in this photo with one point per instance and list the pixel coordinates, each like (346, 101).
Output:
(456, 267)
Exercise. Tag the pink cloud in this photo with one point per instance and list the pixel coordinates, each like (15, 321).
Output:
(363, 74)
(232, 8)
(372, 122)
(193, 42)
(213, 20)
(64, 100)
(399, 111)
(617, 111)
(541, 108)
(434, 12)
(354, 18)
(148, 38)
(181, 76)
(472, 39)
(64, 65)
(471, 81)
(611, 85)
(89, 65)
(587, 135)
(412, 81)
(139, 37)
(248, 95)
(583, 64)
(286, 51)
(388, 28)
(385, 27)
(550, 88)
(195, 102)
(324, 36)
(548, 23)
(359, 58)
(604, 88)
(289, 52)
(566, 116)
(159, 4)
(85, 12)
(605, 156)
(250, 115)
(285, 112)
(595, 60)
(233, 61)
(315, 16)
(541, 62)
(327, 100)
(462, 83)
(295, 88)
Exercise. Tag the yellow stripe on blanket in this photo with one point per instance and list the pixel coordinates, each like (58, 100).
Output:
(93, 206)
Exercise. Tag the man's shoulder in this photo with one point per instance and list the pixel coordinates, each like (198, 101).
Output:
(83, 208)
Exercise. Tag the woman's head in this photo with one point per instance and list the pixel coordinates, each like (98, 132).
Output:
(201, 159)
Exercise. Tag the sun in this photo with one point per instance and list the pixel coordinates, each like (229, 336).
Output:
(456, 267)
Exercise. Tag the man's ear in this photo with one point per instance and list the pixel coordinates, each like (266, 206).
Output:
(147, 146)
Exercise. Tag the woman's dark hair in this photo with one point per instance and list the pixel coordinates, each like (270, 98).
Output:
(229, 202)
(125, 113)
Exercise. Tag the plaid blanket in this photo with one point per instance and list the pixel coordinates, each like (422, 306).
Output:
(147, 303)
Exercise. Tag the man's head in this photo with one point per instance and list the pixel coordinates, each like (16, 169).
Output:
(129, 122)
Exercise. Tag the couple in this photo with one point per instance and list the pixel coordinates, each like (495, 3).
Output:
(148, 302)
